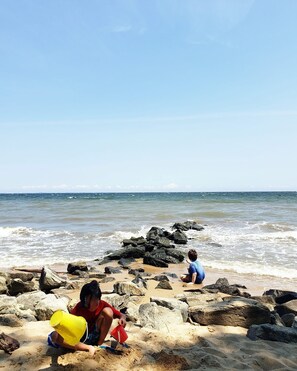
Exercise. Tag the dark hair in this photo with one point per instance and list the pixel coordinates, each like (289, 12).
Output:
(89, 289)
(192, 254)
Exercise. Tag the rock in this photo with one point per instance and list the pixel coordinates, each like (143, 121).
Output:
(134, 241)
(126, 288)
(180, 238)
(24, 276)
(107, 279)
(159, 318)
(128, 252)
(163, 241)
(288, 307)
(17, 286)
(50, 280)
(187, 225)
(281, 296)
(165, 285)
(197, 298)
(154, 233)
(172, 275)
(275, 319)
(132, 312)
(223, 285)
(98, 275)
(112, 270)
(120, 302)
(172, 304)
(80, 274)
(8, 344)
(161, 277)
(126, 262)
(140, 282)
(150, 260)
(31, 299)
(235, 311)
(10, 320)
(3, 285)
(47, 306)
(77, 266)
(288, 319)
(272, 332)
(266, 300)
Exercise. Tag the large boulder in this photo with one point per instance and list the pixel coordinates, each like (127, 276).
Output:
(48, 305)
(30, 300)
(172, 304)
(158, 317)
(235, 311)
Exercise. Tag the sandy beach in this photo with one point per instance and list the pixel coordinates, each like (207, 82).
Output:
(181, 347)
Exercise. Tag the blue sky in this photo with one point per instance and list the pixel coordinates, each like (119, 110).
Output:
(159, 95)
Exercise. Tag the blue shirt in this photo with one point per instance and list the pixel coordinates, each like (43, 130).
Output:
(196, 267)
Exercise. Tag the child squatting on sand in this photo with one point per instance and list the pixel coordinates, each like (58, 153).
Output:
(98, 314)
(196, 272)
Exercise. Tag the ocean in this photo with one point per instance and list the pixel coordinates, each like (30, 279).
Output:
(245, 232)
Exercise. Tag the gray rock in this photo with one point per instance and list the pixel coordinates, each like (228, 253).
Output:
(288, 319)
(172, 304)
(128, 288)
(159, 318)
(165, 285)
(117, 301)
(17, 286)
(47, 306)
(150, 260)
(288, 307)
(235, 311)
(3, 285)
(77, 266)
(24, 276)
(10, 320)
(272, 332)
(180, 238)
(30, 300)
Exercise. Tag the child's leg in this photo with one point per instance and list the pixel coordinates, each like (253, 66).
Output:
(103, 323)
(58, 339)
(185, 278)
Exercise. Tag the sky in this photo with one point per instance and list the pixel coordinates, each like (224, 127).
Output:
(148, 96)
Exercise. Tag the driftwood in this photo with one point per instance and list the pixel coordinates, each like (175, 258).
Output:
(30, 270)
(8, 344)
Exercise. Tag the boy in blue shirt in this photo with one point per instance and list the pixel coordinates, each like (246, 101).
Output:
(196, 272)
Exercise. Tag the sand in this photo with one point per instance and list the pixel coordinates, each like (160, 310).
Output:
(184, 347)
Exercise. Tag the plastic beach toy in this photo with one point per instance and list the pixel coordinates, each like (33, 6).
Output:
(119, 334)
(70, 327)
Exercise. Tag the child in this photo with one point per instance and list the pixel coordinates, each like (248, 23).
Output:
(98, 314)
(196, 272)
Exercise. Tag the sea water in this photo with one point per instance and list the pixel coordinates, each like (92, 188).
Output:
(253, 233)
